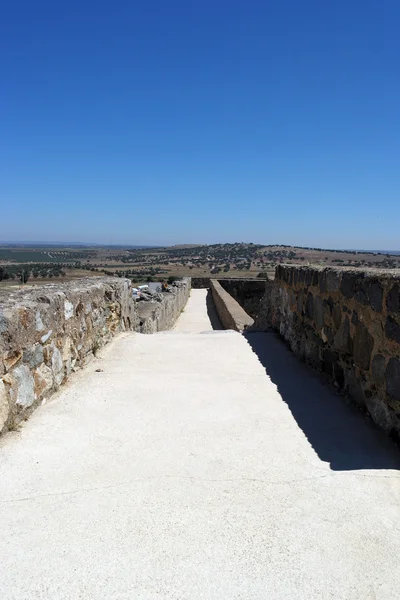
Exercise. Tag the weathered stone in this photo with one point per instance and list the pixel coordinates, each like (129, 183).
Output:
(337, 315)
(34, 356)
(348, 284)
(393, 299)
(338, 374)
(329, 359)
(43, 379)
(378, 369)
(319, 312)
(39, 322)
(57, 366)
(342, 340)
(68, 310)
(322, 282)
(332, 280)
(310, 306)
(380, 413)
(4, 405)
(45, 337)
(308, 278)
(354, 317)
(11, 358)
(355, 388)
(393, 378)
(363, 346)
(67, 349)
(370, 293)
(392, 329)
(23, 386)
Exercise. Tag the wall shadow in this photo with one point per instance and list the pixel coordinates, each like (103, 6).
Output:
(339, 434)
(212, 311)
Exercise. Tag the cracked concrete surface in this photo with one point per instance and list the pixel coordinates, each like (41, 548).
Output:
(184, 471)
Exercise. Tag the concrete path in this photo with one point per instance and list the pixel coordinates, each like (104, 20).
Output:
(199, 314)
(183, 471)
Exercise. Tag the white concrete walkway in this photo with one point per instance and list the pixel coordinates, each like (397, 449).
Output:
(199, 314)
(184, 471)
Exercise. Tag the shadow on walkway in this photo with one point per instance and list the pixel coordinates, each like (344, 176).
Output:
(339, 434)
(212, 312)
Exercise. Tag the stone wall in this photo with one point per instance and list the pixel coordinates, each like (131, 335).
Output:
(247, 292)
(160, 316)
(345, 323)
(50, 331)
(200, 282)
(230, 313)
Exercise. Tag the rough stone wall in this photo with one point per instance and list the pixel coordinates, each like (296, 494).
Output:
(160, 316)
(50, 331)
(345, 323)
(230, 313)
(247, 292)
(200, 282)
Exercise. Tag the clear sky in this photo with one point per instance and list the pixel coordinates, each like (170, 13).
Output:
(173, 121)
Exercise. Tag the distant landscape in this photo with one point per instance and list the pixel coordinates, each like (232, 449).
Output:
(29, 263)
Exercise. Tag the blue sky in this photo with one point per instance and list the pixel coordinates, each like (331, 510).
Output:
(272, 121)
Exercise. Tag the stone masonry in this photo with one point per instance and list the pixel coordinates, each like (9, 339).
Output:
(345, 323)
(50, 331)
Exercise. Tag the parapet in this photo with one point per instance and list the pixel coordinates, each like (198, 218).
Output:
(49, 331)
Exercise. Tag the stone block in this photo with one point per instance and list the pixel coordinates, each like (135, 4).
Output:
(34, 355)
(43, 380)
(392, 329)
(392, 376)
(332, 279)
(363, 346)
(4, 405)
(319, 312)
(378, 369)
(309, 309)
(348, 284)
(393, 299)
(23, 386)
(370, 293)
(342, 340)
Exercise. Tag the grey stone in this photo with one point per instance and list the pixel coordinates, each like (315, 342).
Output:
(332, 281)
(337, 315)
(354, 318)
(342, 340)
(4, 405)
(310, 306)
(378, 369)
(392, 329)
(45, 337)
(39, 322)
(329, 359)
(57, 366)
(68, 310)
(319, 312)
(348, 284)
(24, 386)
(355, 389)
(322, 282)
(363, 346)
(380, 413)
(370, 293)
(393, 299)
(33, 356)
(393, 379)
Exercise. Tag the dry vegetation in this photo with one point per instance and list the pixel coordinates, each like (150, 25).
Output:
(50, 264)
